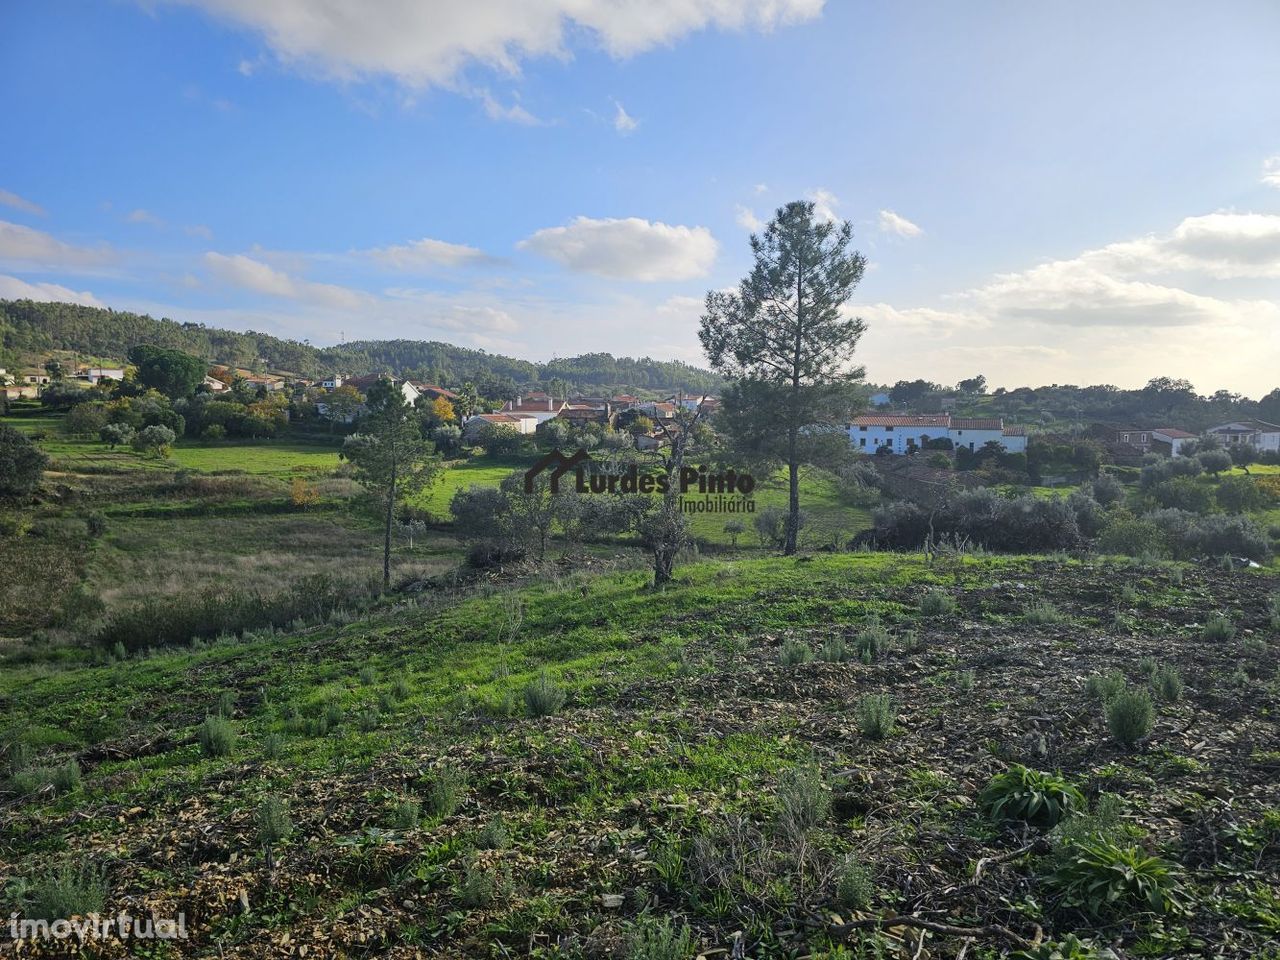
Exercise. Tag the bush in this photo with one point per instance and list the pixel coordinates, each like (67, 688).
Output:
(406, 814)
(216, 736)
(66, 778)
(855, 887)
(804, 800)
(1026, 524)
(273, 821)
(1040, 799)
(1218, 629)
(658, 939)
(1106, 879)
(1214, 461)
(1130, 536)
(21, 463)
(445, 795)
(67, 889)
(1041, 613)
(1167, 683)
(834, 650)
(543, 697)
(935, 603)
(1104, 688)
(794, 652)
(872, 640)
(876, 715)
(494, 835)
(1069, 948)
(1107, 490)
(1130, 716)
(1183, 493)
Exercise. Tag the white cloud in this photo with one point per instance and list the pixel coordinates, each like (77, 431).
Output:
(623, 122)
(246, 68)
(746, 218)
(429, 42)
(198, 230)
(426, 254)
(144, 216)
(515, 113)
(20, 203)
(824, 204)
(898, 225)
(761, 188)
(1271, 171)
(238, 270)
(11, 288)
(628, 249)
(34, 246)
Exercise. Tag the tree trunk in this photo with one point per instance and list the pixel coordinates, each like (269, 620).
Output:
(386, 540)
(664, 562)
(793, 504)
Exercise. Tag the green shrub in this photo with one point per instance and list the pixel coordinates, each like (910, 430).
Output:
(476, 889)
(965, 681)
(367, 675)
(1106, 879)
(494, 835)
(368, 718)
(1147, 666)
(1041, 613)
(1167, 683)
(1103, 687)
(66, 777)
(872, 641)
(401, 689)
(1255, 648)
(855, 888)
(1130, 716)
(834, 650)
(68, 888)
(1218, 629)
(876, 715)
(17, 755)
(1129, 596)
(651, 938)
(804, 800)
(935, 603)
(273, 821)
(332, 715)
(793, 653)
(226, 706)
(406, 814)
(445, 794)
(1040, 799)
(216, 736)
(272, 746)
(543, 697)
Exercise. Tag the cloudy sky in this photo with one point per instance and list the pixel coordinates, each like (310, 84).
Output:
(1057, 192)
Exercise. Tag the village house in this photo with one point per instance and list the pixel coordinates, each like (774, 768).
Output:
(904, 433)
(433, 391)
(35, 377)
(581, 414)
(363, 384)
(214, 384)
(520, 423)
(540, 406)
(331, 383)
(1256, 433)
(95, 374)
(1169, 441)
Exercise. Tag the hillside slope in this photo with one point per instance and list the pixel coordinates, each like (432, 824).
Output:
(684, 774)
(27, 326)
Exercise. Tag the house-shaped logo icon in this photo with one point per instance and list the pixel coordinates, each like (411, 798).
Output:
(559, 465)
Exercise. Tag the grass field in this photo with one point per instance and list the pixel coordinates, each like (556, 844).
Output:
(678, 761)
(267, 457)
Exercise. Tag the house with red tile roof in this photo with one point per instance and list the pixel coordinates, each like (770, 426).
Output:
(905, 433)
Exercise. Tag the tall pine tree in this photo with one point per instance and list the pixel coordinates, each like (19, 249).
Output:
(786, 347)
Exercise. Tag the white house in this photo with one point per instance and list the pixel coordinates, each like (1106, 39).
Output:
(94, 374)
(1257, 433)
(1171, 437)
(906, 432)
(331, 383)
(540, 406)
(524, 424)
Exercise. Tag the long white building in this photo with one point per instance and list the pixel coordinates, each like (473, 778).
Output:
(903, 433)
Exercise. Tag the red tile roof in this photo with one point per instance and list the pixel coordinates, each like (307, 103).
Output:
(1015, 431)
(959, 423)
(903, 420)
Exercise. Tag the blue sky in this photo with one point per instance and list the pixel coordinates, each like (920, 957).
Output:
(1052, 192)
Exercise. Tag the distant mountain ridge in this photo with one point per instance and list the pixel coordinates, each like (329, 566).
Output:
(28, 326)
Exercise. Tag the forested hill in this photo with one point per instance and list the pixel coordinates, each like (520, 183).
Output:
(26, 326)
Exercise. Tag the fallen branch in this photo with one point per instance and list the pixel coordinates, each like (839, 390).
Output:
(933, 926)
(1038, 845)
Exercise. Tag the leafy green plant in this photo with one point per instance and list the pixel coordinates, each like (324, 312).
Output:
(872, 641)
(834, 650)
(543, 697)
(651, 938)
(367, 675)
(1104, 878)
(67, 888)
(494, 835)
(804, 799)
(406, 814)
(935, 603)
(876, 715)
(1103, 687)
(1130, 716)
(794, 652)
(1167, 683)
(226, 704)
(476, 889)
(273, 821)
(401, 689)
(216, 736)
(445, 794)
(1255, 648)
(855, 887)
(66, 777)
(1218, 629)
(1069, 948)
(965, 681)
(1040, 799)
(272, 745)
(1147, 666)
(1041, 613)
